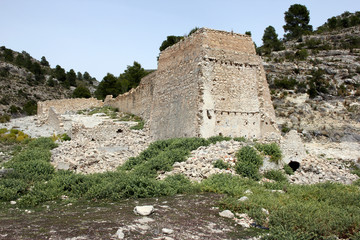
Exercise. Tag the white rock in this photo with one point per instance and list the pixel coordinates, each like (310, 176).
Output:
(248, 191)
(226, 214)
(167, 231)
(12, 202)
(243, 199)
(144, 210)
(265, 211)
(119, 234)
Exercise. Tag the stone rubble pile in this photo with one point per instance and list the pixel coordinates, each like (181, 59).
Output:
(199, 164)
(99, 149)
(316, 170)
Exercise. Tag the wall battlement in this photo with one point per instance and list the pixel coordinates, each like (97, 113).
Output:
(211, 83)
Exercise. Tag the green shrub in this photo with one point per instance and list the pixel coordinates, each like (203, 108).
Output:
(11, 189)
(65, 137)
(272, 149)
(3, 130)
(276, 175)
(221, 164)
(33, 154)
(247, 169)
(215, 139)
(317, 211)
(163, 150)
(30, 107)
(139, 126)
(288, 170)
(285, 83)
(248, 154)
(4, 118)
(240, 139)
(45, 143)
(302, 54)
(31, 170)
(227, 183)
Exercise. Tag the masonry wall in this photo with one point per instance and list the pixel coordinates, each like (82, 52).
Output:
(211, 83)
(63, 105)
(137, 101)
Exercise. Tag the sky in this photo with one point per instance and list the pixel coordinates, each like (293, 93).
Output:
(105, 36)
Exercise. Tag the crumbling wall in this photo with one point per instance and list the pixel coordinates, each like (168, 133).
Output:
(137, 101)
(63, 105)
(211, 83)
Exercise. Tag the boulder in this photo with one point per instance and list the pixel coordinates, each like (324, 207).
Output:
(144, 210)
(227, 214)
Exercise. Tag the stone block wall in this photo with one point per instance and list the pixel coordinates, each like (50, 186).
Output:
(211, 83)
(63, 105)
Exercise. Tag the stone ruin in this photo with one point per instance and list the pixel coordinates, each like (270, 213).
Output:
(211, 83)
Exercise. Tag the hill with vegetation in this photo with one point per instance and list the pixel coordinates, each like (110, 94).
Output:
(24, 81)
(314, 79)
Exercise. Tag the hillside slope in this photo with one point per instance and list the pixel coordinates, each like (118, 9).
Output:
(315, 85)
(24, 81)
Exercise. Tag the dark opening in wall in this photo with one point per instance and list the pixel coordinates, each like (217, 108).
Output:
(220, 134)
(208, 114)
(294, 165)
(119, 130)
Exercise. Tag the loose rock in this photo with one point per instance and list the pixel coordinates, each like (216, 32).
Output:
(226, 214)
(144, 210)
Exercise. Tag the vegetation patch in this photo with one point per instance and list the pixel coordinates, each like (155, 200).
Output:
(276, 175)
(221, 164)
(248, 163)
(12, 136)
(272, 150)
(319, 211)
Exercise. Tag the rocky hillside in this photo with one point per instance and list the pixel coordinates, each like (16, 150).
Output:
(315, 85)
(25, 80)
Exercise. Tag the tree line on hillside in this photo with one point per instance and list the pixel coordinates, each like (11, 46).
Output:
(41, 68)
(111, 85)
(297, 20)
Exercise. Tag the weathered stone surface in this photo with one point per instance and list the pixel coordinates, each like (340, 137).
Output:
(243, 199)
(226, 214)
(144, 210)
(211, 83)
(167, 231)
(120, 234)
(292, 148)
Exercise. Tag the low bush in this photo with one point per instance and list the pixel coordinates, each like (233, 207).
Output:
(215, 139)
(248, 163)
(12, 136)
(247, 169)
(288, 170)
(319, 211)
(11, 189)
(140, 125)
(276, 175)
(240, 139)
(4, 118)
(221, 164)
(272, 150)
(249, 155)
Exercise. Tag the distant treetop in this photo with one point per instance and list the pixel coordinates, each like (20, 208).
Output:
(297, 20)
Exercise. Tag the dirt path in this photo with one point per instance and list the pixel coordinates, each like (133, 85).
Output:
(189, 216)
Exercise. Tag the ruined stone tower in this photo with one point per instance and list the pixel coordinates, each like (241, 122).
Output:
(211, 83)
